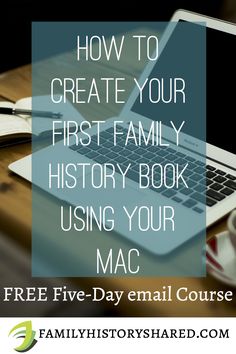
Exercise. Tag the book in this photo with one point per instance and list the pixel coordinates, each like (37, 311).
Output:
(18, 128)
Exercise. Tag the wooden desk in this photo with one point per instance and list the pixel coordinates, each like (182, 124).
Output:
(15, 220)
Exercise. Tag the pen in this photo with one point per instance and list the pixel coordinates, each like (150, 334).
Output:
(16, 111)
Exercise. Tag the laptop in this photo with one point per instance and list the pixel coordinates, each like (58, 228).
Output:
(220, 196)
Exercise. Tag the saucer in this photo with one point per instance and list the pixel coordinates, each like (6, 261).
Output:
(221, 258)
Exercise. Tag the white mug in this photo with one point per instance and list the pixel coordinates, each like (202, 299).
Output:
(232, 228)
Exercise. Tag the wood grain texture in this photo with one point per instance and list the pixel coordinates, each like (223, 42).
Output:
(16, 83)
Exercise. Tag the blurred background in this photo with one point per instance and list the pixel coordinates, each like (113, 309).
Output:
(17, 17)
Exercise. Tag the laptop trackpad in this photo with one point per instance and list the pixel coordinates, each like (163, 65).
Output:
(112, 192)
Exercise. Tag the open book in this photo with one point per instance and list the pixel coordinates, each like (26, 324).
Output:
(18, 128)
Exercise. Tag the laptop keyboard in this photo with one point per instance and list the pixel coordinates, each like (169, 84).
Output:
(201, 191)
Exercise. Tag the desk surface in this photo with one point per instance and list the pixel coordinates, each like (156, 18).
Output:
(15, 220)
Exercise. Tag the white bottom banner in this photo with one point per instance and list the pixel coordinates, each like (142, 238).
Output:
(117, 335)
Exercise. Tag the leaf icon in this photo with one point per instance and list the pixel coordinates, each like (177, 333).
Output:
(25, 332)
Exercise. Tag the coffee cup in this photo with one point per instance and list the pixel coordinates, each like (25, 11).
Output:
(232, 228)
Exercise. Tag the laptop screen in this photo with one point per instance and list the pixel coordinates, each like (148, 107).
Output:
(220, 95)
